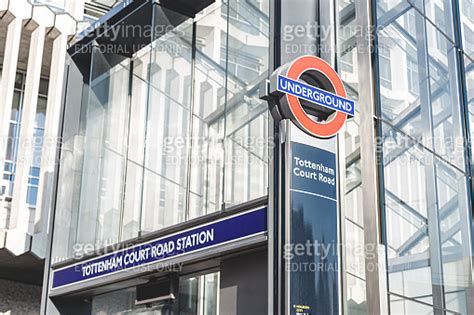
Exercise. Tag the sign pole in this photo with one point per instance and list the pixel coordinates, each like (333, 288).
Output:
(308, 99)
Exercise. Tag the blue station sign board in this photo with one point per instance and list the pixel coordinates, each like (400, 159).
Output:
(315, 95)
(226, 230)
(313, 257)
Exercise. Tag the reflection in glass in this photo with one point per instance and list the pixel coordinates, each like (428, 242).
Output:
(199, 295)
(171, 133)
(400, 101)
(455, 240)
(350, 149)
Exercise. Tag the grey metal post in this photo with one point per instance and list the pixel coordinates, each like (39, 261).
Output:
(376, 293)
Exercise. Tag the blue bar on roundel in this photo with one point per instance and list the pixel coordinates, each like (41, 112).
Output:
(316, 95)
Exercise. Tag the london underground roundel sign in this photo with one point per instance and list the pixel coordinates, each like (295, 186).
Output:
(315, 97)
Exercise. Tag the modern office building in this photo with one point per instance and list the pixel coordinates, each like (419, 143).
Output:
(167, 150)
(34, 37)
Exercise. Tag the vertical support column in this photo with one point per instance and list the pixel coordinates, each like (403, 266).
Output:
(7, 85)
(51, 141)
(274, 180)
(327, 33)
(20, 213)
(434, 231)
(467, 199)
(18, 240)
(376, 288)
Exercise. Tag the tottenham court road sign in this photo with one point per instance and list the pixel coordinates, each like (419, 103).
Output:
(291, 81)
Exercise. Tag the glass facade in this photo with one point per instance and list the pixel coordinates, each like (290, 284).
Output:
(424, 174)
(175, 130)
(171, 133)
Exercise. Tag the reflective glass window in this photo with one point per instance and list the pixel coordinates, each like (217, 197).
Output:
(174, 131)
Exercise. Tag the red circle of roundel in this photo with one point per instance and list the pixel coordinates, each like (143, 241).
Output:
(324, 129)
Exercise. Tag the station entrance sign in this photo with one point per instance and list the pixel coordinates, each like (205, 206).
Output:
(299, 81)
(309, 105)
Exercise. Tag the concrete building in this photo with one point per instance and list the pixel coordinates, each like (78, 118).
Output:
(34, 37)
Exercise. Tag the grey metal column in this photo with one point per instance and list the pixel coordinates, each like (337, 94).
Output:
(434, 231)
(376, 287)
(273, 166)
(468, 198)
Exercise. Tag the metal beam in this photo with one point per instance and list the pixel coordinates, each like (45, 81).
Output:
(376, 286)
(434, 230)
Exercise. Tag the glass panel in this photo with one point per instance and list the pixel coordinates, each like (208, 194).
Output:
(104, 150)
(12, 144)
(467, 25)
(401, 306)
(211, 294)
(206, 173)
(400, 100)
(455, 238)
(20, 81)
(41, 112)
(246, 116)
(16, 107)
(354, 250)
(163, 202)
(168, 128)
(356, 296)
(13, 141)
(385, 67)
(439, 12)
(199, 295)
(43, 87)
(136, 146)
(207, 154)
(188, 296)
(387, 5)
(32, 196)
(246, 157)
(406, 214)
(445, 109)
